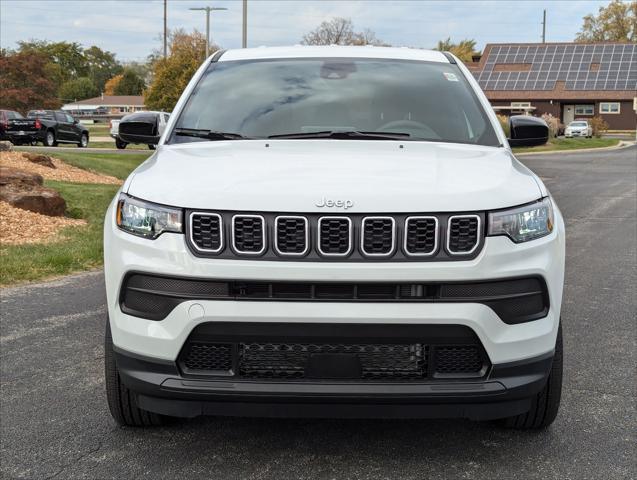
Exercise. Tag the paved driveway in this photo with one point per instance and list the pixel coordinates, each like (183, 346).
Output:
(55, 422)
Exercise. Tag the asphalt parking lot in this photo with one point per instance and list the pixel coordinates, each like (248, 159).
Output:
(55, 423)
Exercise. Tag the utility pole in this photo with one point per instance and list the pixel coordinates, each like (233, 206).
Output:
(544, 27)
(208, 10)
(165, 31)
(244, 40)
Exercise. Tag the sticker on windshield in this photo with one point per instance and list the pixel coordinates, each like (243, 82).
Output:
(450, 76)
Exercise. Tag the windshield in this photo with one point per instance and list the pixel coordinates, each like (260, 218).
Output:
(578, 124)
(265, 98)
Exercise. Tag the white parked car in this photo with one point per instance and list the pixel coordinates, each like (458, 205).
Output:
(334, 231)
(160, 119)
(578, 128)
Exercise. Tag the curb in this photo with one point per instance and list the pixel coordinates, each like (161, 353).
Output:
(619, 146)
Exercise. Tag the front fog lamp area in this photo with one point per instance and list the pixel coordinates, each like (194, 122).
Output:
(145, 219)
(524, 223)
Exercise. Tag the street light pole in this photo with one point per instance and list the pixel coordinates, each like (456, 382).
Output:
(244, 36)
(208, 10)
(165, 30)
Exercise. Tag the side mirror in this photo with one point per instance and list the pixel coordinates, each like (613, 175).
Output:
(140, 127)
(527, 131)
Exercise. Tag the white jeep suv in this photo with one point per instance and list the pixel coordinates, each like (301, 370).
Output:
(334, 231)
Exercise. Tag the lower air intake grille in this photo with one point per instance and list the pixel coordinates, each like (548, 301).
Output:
(216, 357)
(458, 359)
(289, 360)
(464, 234)
(371, 361)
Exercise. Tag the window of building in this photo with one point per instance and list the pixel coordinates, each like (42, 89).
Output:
(584, 109)
(609, 107)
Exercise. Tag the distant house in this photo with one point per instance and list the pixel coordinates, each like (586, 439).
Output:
(106, 105)
(571, 81)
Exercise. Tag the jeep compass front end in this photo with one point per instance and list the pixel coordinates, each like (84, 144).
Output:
(334, 231)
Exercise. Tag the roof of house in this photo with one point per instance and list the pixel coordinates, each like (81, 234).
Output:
(112, 101)
(558, 70)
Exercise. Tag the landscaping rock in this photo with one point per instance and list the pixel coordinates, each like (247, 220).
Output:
(6, 147)
(40, 159)
(24, 190)
(10, 175)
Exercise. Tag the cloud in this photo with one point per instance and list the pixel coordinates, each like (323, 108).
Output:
(132, 28)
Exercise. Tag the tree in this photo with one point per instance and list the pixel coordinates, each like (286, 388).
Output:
(340, 31)
(69, 56)
(109, 86)
(101, 66)
(27, 82)
(172, 74)
(616, 22)
(130, 84)
(463, 50)
(78, 89)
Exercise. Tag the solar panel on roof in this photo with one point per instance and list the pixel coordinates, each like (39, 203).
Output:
(571, 64)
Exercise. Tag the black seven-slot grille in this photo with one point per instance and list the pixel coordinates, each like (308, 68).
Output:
(514, 300)
(355, 237)
(451, 352)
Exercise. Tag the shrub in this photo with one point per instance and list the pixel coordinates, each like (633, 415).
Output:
(504, 123)
(599, 126)
(553, 123)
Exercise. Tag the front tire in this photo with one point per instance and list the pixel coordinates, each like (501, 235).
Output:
(152, 147)
(122, 403)
(120, 144)
(546, 403)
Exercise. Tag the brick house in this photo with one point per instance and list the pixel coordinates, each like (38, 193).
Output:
(568, 80)
(107, 105)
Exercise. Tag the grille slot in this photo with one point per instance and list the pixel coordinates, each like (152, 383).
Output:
(379, 234)
(463, 234)
(421, 236)
(206, 231)
(248, 234)
(335, 236)
(291, 235)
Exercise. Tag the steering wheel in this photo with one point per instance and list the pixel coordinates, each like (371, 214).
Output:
(417, 129)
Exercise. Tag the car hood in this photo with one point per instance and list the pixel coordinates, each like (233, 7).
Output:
(304, 175)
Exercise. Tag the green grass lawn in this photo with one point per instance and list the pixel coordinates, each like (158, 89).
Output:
(569, 144)
(108, 163)
(107, 144)
(77, 248)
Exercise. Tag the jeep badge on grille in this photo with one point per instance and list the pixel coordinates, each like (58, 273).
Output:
(326, 202)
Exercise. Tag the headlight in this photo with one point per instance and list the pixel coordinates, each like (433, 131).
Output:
(524, 223)
(146, 219)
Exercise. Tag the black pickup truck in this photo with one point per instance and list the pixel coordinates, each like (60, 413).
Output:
(47, 126)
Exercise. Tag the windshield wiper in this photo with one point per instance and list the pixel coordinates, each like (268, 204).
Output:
(345, 135)
(208, 134)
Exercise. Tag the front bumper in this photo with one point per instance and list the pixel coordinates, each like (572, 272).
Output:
(507, 391)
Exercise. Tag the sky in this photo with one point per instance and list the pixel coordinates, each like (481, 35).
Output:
(132, 28)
